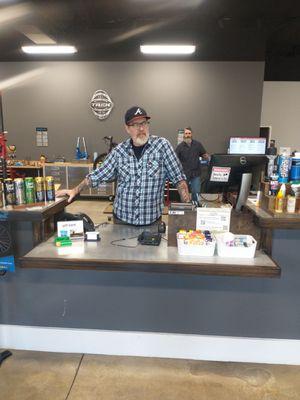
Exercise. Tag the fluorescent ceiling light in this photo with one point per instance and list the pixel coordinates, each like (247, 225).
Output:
(167, 49)
(50, 49)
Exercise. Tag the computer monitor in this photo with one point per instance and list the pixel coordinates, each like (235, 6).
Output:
(247, 145)
(235, 173)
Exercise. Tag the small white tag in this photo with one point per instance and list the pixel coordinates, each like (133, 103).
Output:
(92, 235)
(176, 212)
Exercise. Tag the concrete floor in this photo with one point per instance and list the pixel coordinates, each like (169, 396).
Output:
(31, 375)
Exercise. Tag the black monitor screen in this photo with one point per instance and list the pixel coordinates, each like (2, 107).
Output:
(226, 170)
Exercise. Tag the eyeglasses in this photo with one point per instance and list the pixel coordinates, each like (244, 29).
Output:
(138, 125)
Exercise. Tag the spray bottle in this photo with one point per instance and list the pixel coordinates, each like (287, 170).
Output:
(284, 166)
(274, 184)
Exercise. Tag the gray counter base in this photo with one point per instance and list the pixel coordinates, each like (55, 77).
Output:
(132, 301)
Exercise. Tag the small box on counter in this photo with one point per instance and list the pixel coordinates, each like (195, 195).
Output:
(73, 229)
(214, 217)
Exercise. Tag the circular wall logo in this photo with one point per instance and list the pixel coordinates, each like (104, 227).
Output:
(101, 104)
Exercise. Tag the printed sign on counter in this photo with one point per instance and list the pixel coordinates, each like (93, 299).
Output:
(213, 219)
(72, 229)
(220, 174)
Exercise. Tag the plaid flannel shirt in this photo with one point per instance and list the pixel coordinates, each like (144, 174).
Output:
(140, 183)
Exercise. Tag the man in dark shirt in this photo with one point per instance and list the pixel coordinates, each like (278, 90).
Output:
(188, 153)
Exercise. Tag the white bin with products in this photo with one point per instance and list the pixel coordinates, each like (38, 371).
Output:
(190, 247)
(235, 246)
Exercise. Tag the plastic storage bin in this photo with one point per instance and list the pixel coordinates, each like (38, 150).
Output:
(204, 250)
(236, 252)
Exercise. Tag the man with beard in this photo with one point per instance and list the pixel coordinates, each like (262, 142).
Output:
(141, 164)
(188, 153)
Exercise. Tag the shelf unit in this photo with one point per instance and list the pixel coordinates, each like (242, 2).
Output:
(69, 175)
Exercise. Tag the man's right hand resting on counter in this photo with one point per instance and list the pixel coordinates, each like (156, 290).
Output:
(72, 193)
(65, 192)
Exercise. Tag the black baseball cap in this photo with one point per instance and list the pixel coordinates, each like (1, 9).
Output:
(135, 112)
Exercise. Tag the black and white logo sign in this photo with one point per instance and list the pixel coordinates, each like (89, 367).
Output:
(101, 104)
(138, 112)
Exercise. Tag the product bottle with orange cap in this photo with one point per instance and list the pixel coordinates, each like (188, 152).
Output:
(280, 199)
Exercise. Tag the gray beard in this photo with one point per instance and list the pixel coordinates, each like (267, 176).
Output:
(188, 141)
(141, 140)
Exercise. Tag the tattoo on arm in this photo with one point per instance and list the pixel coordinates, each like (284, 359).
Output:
(82, 185)
(183, 190)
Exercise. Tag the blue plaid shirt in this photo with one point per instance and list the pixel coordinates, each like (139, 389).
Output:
(140, 188)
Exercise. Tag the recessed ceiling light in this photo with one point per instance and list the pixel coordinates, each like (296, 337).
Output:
(167, 49)
(49, 49)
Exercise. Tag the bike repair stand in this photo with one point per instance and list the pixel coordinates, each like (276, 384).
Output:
(81, 155)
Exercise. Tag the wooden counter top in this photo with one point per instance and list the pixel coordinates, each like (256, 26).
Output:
(104, 256)
(35, 211)
(276, 221)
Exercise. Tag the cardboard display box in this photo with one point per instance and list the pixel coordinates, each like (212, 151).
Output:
(215, 218)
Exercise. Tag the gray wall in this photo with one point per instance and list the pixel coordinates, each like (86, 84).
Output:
(218, 99)
(281, 111)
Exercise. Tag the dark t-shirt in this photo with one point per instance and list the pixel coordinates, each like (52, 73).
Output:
(138, 150)
(189, 157)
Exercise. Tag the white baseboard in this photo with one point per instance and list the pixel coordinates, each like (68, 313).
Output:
(150, 344)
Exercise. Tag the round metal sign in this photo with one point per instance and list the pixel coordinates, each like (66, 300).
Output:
(101, 104)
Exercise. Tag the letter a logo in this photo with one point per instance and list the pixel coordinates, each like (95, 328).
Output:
(138, 111)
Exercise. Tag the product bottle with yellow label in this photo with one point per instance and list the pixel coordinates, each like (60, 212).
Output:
(280, 199)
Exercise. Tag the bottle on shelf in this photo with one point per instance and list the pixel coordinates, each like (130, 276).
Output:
(280, 199)
(274, 183)
(284, 166)
(291, 204)
(271, 166)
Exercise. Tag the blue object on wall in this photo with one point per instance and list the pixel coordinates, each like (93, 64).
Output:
(7, 264)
